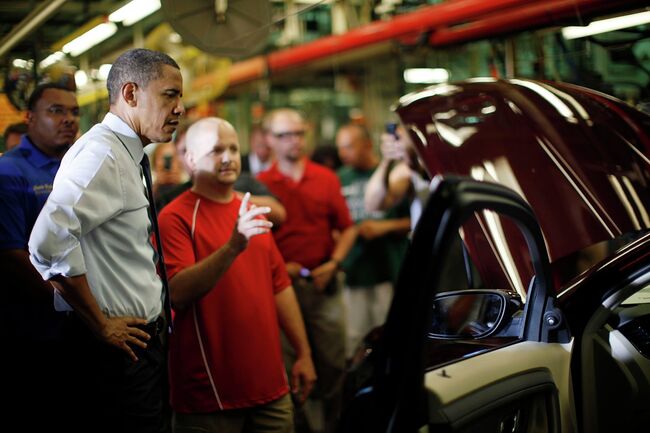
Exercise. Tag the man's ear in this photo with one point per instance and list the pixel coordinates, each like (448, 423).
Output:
(130, 94)
(29, 116)
(189, 161)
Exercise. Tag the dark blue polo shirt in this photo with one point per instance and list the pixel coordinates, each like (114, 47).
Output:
(26, 177)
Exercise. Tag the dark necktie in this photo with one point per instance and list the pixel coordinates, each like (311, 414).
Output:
(146, 170)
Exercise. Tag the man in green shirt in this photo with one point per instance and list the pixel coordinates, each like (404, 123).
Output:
(372, 265)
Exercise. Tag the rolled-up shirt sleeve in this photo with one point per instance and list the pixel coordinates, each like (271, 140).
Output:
(88, 190)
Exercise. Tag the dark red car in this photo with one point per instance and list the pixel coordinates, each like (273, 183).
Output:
(523, 304)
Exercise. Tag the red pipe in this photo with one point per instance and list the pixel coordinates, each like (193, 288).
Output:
(423, 19)
(509, 21)
(493, 17)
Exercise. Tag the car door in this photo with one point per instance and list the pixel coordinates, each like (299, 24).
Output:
(513, 382)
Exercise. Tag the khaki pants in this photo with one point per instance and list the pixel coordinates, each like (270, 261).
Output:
(273, 417)
(366, 308)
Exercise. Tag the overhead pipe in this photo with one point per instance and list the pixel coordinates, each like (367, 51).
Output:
(453, 21)
(32, 21)
(513, 20)
(420, 20)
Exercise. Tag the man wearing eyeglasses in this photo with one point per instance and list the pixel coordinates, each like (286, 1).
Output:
(315, 208)
(29, 326)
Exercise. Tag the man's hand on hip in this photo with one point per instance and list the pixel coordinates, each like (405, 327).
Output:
(122, 332)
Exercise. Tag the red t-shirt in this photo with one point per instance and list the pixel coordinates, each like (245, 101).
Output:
(315, 207)
(225, 350)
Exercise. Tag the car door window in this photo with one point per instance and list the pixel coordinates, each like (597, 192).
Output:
(489, 253)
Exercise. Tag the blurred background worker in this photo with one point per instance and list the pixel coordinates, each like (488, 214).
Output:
(13, 135)
(260, 155)
(372, 265)
(29, 326)
(168, 171)
(315, 207)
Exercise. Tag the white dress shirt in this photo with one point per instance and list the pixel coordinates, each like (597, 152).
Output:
(95, 222)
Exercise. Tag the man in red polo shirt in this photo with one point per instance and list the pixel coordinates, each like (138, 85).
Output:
(315, 208)
(230, 289)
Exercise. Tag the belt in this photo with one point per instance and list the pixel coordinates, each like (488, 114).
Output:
(153, 328)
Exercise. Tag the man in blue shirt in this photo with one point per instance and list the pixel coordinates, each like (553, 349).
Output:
(29, 326)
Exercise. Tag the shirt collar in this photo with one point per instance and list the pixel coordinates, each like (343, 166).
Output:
(34, 155)
(309, 165)
(126, 135)
(274, 170)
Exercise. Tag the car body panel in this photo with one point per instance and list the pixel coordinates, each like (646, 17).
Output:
(578, 157)
(568, 178)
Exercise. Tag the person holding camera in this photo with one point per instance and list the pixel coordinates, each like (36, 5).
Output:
(168, 171)
(372, 265)
(399, 175)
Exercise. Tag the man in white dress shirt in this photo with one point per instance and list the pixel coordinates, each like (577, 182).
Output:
(92, 241)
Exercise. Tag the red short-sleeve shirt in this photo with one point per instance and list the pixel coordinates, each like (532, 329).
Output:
(315, 207)
(225, 350)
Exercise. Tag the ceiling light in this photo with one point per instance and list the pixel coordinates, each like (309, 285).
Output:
(426, 75)
(134, 11)
(89, 39)
(104, 69)
(51, 59)
(80, 78)
(175, 38)
(20, 63)
(607, 25)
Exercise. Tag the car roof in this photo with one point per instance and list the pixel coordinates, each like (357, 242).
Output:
(579, 157)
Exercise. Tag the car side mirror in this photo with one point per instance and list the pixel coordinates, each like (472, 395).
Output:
(467, 314)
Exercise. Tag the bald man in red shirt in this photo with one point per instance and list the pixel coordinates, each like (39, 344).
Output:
(230, 289)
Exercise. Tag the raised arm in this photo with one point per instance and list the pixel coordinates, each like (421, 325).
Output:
(277, 213)
(195, 281)
(391, 181)
(261, 196)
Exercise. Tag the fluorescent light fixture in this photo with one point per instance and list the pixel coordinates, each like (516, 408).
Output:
(20, 63)
(80, 78)
(51, 59)
(89, 39)
(134, 11)
(104, 69)
(175, 38)
(606, 25)
(426, 75)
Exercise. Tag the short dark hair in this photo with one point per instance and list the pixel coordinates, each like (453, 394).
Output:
(268, 119)
(138, 66)
(40, 89)
(15, 128)
(361, 129)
